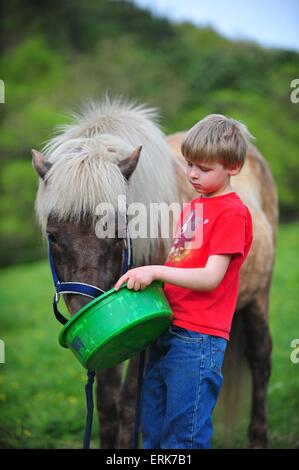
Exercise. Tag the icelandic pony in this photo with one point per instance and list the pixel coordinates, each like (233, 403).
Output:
(116, 148)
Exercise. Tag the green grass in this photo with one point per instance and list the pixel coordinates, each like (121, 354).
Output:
(42, 402)
(284, 323)
(283, 396)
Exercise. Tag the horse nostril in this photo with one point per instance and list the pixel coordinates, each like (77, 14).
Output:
(74, 303)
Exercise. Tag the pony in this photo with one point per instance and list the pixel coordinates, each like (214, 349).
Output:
(114, 147)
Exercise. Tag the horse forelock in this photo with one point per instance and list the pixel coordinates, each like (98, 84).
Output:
(84, 172)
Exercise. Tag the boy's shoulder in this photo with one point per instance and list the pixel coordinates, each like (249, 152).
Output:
(228, 205)
(234, 206)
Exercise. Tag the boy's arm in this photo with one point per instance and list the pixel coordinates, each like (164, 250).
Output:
(201, 279)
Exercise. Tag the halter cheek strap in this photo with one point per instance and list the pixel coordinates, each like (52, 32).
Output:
(81, 288)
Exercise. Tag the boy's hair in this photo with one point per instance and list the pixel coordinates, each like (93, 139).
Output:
(217, 138)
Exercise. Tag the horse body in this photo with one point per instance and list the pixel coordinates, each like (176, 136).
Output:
(99, 158)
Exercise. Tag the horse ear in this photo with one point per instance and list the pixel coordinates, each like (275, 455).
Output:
(40, 164)
(128, 165)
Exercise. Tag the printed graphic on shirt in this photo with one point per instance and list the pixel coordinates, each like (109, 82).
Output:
(189, 234)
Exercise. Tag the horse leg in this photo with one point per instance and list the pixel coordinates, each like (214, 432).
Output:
(108, 389)
(258, 353)
(127, 404)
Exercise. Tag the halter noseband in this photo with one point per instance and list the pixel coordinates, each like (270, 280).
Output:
(82, 288)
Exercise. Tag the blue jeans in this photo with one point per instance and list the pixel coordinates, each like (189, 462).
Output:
(180, 389)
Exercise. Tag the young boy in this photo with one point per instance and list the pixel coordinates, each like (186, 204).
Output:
(201, 275)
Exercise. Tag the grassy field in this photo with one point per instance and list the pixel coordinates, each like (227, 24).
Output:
(42, 385)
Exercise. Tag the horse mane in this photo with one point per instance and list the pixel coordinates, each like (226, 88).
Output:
(84, 172)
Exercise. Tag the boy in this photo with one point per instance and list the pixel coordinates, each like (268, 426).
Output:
(201, 275)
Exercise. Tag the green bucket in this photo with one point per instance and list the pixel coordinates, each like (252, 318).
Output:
(117, 325)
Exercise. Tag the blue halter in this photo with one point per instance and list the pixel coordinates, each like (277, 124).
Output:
(82, 288)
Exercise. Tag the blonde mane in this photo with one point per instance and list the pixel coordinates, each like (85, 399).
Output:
(85, 172)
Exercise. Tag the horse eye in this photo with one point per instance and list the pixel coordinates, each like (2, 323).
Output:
(52, 238)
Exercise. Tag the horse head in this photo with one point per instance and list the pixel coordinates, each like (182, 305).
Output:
(79, 253)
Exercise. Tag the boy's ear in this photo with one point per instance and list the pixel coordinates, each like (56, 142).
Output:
(235, 170)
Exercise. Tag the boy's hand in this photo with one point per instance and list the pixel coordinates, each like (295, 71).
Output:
(138, 278)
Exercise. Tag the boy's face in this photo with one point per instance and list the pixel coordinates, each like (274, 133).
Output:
(209, 178)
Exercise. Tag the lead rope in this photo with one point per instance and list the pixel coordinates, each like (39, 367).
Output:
(135, 434)
(126, 264)
(89, 406)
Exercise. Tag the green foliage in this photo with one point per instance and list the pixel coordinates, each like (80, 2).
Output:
(18, 184)
(132, 72)
(32, 73)
(80, 25)
(57, 55)
(278, 142)
(19, 235)
(33, 67)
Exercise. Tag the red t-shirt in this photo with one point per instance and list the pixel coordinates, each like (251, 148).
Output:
(209, 226)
